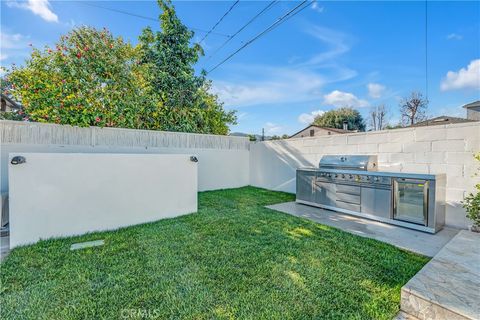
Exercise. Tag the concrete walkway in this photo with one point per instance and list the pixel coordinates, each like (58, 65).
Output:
(412, 240)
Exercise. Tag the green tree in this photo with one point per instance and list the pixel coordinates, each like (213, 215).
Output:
(90, 78)
(393, 126)
(336, 118)
(182, 97)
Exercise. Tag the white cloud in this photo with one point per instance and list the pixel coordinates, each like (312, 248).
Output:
(242, 116)
(307, 118)
(454, 36)
(337, 42)
(297, 81)
(375, 90)
(465, 78)
(13, 47)
(272, 128)
(343, 99)
(317, 8)
(282, 85)
(71, 23)
(11, 41)
(38, 7)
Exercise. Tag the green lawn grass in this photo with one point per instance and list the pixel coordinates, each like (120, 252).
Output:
(234, 259)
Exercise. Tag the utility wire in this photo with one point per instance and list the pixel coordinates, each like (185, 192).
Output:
(426, 49)
(147, 18)
(279, 21)
(218, 22)
(243, 27)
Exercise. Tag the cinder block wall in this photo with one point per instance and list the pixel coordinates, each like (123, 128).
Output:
(445, 149)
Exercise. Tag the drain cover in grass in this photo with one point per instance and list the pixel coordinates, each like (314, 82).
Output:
(88, 244)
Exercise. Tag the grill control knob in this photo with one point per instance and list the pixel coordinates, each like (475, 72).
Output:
(343, 176)
(350, 176)
(376, 179)
(367, 178)
(336, 175)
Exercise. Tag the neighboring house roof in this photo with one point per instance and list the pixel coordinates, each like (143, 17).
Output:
(440, 120)
(13, 103)
(324, 128)
(472, 104)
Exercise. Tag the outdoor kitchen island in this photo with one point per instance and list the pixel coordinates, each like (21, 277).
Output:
(351, 184)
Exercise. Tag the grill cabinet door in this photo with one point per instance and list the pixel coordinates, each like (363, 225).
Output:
(411, 200)
(325, 193)
(377, 202)
(306, 185)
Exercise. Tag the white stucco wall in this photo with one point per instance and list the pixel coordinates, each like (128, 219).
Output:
(437, 149)
(223, 160)
(64, 194)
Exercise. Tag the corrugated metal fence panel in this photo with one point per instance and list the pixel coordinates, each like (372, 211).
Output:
(14, 132)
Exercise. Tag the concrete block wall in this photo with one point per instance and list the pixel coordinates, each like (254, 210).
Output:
(445, 149)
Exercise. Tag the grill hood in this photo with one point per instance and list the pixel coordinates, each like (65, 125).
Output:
(349, 162)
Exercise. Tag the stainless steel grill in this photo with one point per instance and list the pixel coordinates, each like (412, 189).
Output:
(352, 184)
(347, 162)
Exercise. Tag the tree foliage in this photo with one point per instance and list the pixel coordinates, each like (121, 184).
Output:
(335, 119)
(89, 78)
(92, 78)
(413, 108)
(378, 117)
(472, 204)
(170, 58)
(187, 104)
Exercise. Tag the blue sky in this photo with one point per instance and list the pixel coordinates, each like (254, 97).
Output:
(332, 54)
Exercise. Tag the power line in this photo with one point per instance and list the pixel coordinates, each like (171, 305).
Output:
(243, 27)
(146, 18)
(426, 50)
(218, 22)
(279, 21)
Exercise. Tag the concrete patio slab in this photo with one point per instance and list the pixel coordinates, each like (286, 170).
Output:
(404, 316)
(412, 240)
(447, 287)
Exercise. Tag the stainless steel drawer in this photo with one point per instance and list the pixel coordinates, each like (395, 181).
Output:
(348, 189)
(351, 198)
(348, 206)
